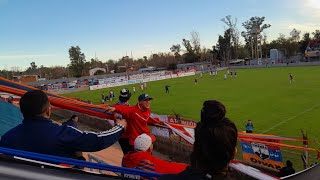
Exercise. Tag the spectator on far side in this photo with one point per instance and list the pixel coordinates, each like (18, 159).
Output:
(249, 127)
(287, 170)
(73, 121)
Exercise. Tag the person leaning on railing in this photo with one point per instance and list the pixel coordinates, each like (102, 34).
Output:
(39, 134)
(138, 117)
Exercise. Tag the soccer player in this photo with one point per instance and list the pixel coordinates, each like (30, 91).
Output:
(167, 88)
(102, 98)
(291, 78)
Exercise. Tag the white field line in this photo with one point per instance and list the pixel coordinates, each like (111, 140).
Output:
(293, 117)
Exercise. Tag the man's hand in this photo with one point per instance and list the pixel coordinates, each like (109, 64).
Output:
(121, 122)
(110, 109)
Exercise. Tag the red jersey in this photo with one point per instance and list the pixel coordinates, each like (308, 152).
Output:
(145, 161)
(137, 121)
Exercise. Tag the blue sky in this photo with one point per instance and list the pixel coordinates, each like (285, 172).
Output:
(43, 30)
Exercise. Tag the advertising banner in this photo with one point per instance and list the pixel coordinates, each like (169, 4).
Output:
(95, 87)
(159, 131)
(262, 155)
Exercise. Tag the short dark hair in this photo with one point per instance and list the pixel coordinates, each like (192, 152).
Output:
(215, 139)
(33, 103)
(73, 116)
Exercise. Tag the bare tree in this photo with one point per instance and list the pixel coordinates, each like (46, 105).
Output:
(195, 41)
(234, 33)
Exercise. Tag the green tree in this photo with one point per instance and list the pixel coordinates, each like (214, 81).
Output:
(316, 34)
(145, 58)
(110, 64)
(224, 47)
(287, 45)
(33, 66)
(94, 63)
(243, 52)
(304, 42)
(32, 69)
(172, 66)
(190, 56)
(176, 50)
(252, 36)
(99, 72)
(57, 72)
(77, 60)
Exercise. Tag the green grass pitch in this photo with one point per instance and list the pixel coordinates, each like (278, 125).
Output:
(263, 95)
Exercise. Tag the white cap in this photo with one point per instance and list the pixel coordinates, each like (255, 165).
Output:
(142, 142)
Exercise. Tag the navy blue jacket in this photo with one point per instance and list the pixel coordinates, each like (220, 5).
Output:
(70, 122)
(41, 135)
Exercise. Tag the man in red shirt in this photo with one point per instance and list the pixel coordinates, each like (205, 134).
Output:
(137, 117)
(142, 158)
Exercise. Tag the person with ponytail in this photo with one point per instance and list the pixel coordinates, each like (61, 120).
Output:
(214, 146)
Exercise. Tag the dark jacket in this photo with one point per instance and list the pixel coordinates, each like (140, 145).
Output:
(70, 122)
(286, 171)
(41, 135)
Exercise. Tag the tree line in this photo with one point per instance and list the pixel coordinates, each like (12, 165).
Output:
(189, 50)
